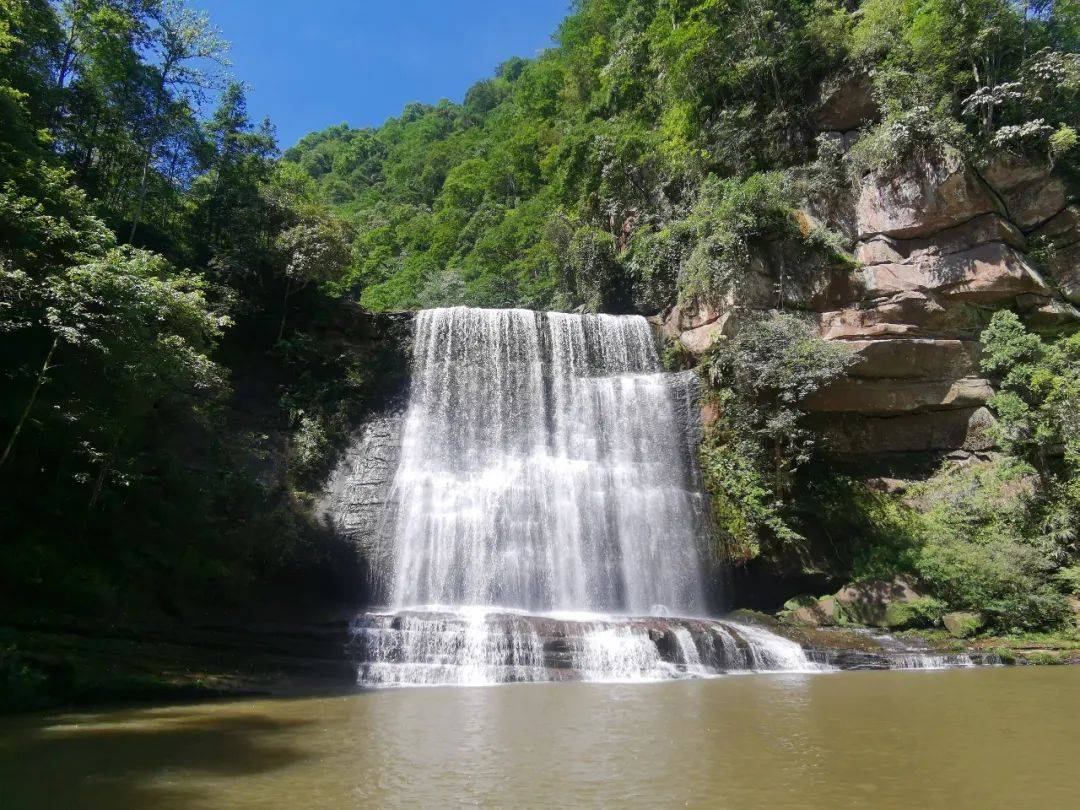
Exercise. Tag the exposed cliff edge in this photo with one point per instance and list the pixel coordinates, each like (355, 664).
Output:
(939, 244)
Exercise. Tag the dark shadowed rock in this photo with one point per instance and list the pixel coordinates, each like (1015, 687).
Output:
(847, 102)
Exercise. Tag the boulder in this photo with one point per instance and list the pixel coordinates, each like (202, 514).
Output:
(815, 612)
(893, 396)
(962, 624)
(867, 602)
(926, 196)
(846, 103)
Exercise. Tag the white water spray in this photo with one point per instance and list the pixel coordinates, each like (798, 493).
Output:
(544, 473)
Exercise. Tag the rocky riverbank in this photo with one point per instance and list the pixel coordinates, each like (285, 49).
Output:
(60, 663)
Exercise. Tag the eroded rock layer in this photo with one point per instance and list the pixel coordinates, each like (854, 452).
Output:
(938, 246)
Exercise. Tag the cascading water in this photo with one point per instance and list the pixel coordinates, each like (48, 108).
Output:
(544, 475)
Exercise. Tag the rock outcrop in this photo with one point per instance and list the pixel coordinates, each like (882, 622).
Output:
(892, 605)
(939, 245)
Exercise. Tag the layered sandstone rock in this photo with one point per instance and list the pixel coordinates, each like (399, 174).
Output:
(939, 246)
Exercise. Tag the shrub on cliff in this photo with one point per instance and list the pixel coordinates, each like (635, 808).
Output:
(751, 454)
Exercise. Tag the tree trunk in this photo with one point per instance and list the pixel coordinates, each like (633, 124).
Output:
(30, 402)
(284, 310)
(141, 199)
(100, 482)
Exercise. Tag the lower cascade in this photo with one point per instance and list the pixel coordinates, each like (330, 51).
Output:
(477, 646)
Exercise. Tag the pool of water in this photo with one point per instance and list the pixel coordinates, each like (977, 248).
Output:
(966, 738)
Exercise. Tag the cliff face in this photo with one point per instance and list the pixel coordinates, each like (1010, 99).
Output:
(939, 245)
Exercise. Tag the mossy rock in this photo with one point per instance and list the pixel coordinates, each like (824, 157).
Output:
(922, 612)
(815, 613)
(962, 624)
(747, 616)
(797, 602)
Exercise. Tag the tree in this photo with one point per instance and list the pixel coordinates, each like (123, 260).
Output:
(757, 382)
(184, 40)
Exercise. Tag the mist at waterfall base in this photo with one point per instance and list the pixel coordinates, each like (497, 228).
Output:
(546, 521)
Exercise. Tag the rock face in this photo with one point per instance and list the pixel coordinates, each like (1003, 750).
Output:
(846, 102)
(928, 197)
(939, 244)
(359, 487)
(353, 500)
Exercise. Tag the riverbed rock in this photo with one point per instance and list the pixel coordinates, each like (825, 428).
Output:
(962, 624)
(869, 602)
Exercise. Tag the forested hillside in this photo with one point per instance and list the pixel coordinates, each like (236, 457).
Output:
(633, 161)
(180, 304)
(162, 318)
(710, 155)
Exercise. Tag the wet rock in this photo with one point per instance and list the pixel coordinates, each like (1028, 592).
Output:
(927, 196)
(359, 488)
(752, 617)
(962, 624)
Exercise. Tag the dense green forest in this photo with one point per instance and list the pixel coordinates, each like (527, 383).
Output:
(161, 278)
(158, 264)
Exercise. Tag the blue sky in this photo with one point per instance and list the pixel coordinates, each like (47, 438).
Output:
(321, 62)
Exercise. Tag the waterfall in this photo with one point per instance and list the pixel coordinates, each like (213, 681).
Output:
(542, 468)
(545, 518)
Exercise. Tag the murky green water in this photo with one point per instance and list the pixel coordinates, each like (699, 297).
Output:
(982, 738)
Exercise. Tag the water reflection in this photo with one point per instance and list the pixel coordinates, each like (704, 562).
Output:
(992, 738)
(141, 758)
